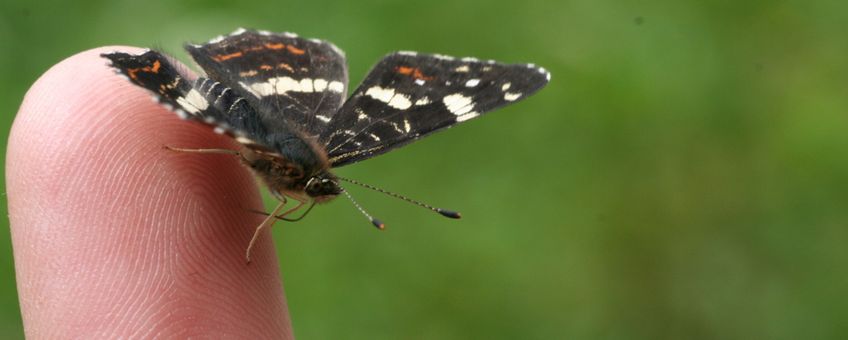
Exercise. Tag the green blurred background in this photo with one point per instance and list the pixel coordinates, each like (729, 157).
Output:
(684, 175)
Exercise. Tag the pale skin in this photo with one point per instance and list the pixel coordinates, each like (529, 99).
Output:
(115, 236)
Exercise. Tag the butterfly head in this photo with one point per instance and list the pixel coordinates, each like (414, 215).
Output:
(323, 187)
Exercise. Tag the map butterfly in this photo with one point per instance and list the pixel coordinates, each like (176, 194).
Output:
(282, 98)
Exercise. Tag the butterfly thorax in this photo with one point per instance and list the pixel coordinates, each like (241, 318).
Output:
(295, 168)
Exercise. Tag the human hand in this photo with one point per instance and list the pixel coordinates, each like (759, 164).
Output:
(114, 236)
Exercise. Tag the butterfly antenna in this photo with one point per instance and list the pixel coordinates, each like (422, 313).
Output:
(373, 220)
(443, 212)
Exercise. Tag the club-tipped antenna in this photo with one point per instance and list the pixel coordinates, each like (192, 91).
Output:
(443, 212)
(373, 220)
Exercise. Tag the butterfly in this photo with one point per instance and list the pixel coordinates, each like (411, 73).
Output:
(282, 98)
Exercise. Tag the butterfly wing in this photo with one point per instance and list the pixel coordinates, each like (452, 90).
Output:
(409, 95)
(295, 83)
(203, 100)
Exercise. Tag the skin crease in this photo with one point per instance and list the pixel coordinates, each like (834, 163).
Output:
(115, 237)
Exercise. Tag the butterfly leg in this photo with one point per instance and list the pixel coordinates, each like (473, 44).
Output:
(272, 217)
(210, 151)
(283, 217)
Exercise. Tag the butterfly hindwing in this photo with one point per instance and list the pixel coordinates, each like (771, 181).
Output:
(202, 99)
(295, 83)
(409, 95)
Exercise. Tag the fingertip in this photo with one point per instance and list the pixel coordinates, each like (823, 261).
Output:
(108, 226)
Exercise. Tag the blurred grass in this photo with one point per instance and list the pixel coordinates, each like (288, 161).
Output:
(684, 175)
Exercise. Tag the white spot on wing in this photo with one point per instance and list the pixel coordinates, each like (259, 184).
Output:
(470, 59)
(422, 101)
(400, 101)
(282, 85)
(467, 116)
(472, 83)
(381, 94)
(419, 82)
(238, 31)
(458, 104)
(325, 119)
(506, 86)
(443, 57)
(397, 128)
(320, 85)
(193, 102)
(463, 68)
(406, 126)
(306, 85)
(217, 39)
(412, 53)
(376, 138)
(336, 86)
(261, 89)
(388, 96)
(511, 96)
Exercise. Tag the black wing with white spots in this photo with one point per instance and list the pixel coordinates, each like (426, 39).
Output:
(202, 100)
(295, 83)
(409, 95)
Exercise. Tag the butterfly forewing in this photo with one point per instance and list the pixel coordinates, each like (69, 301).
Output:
(201, 99)
(409, 95)
(294, 83)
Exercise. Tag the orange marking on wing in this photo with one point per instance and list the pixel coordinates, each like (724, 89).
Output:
(295, 50)
(222, 57)
(255, 48)
(277, 46)
(266, 67)
(413, 72)
(404, 70)
(155, 69)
